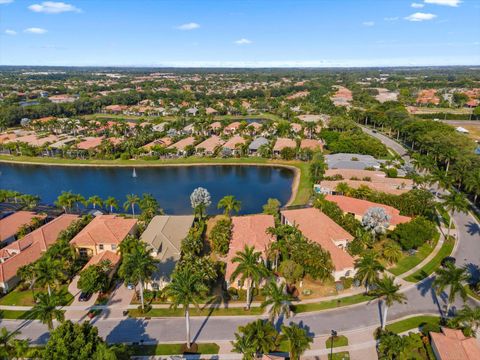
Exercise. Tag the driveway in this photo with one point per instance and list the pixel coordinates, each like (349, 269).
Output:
(75, 291)
(119, 300)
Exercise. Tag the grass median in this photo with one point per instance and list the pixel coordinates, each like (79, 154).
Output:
(331, 304)
(167, 312)
(413, 323)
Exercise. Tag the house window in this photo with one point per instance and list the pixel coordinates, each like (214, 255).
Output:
(114, 247)
(100, 246)
(83, 252)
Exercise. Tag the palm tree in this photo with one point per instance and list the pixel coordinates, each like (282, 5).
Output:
(185, 289)
(112, 203)
(260, 334)
(79, 199)
(49, 272)
(387, 291)
(132, 200)
(455, 202)
(95, 200)
(65, 200)
(229, 204)
(28, 276)
(368, 267)
(10, 347)
(45, 308)
(137, 267)
(343, 188)
(277, 299)
(454, 278)
(30, 200)
(391, 252)
(250, 269)
(298, 340)
(243, 344)
(469, 318)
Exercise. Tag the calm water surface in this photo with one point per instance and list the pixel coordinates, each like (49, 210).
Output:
(172, 186)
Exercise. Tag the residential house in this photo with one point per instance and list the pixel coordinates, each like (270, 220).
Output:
(319, 228)
(191, 111)
(451, 344)
(210, 111)
(10, 225)
(104, 232)
(312, 144)
(359, 207)
(61, 99)
(115, 109)
(208, 146)
(249, 230)
(215, 127)
(108, 255)
(283, 143)
(352, 161)
(231, 128)
(164, 235)
(189, 129)
(165, 141)
(29, 249)
(182, 144)
(428, 96)
(256, 144)
(296, 128)
(159, 127)
(231, 145)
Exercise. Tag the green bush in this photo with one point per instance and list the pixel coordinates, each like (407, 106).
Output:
(415, 233)
(347, 282)
(220, 236)
(391, 172)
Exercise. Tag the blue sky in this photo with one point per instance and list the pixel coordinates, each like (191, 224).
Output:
(240, 33)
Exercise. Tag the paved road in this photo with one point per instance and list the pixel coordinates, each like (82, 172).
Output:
(420, 299)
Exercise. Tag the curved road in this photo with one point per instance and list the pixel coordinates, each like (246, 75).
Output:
(420, 299)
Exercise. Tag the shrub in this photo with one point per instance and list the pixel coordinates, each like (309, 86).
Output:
(415, 233)
(391, 172)
(220, 236)
(347, 282)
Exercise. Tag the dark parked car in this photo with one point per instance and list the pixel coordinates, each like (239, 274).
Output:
(84, 296)
(448, 260)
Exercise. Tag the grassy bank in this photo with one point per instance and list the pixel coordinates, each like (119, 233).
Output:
(433, 264)
(171, 349)
(413, 323)
(301, 196)
(331, 304)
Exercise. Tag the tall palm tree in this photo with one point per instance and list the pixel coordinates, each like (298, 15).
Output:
(387, 291)
(65, 200)
(112, 203)
(138, 267)
(455, 202)
(45, 308)
(298, 340)
(10, 347)
(250, 269)
(49, 272)
(343, 188)
(185, 289)
(260, 334)
(132, 200)
(391, 252)
(229, 204)
(95, 201)
(277, 299)
(368, 267)
(469, 318)
(454, 278)
(243, 344)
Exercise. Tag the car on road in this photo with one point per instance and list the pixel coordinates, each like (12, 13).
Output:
(84, 297)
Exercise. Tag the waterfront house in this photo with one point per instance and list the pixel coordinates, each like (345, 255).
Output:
(232, 128)
(256, 144)
(320, 229)
(209, 146)
(231, 145)
(248, 230)
(352, 161)
(358, 208)
(29, 249)
(164, 235)
(182, 144)
(104, 232)
(10, 225)
(283, 143)
(312, 144)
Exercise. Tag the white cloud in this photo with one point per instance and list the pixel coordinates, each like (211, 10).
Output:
(368, 23)
(188, 26)
(394, 18)
(243, 41)
(52, 7)
(35, 30)
(417, 5)
(10, 32)
(6, 1)
(453, 3)
(418, 16)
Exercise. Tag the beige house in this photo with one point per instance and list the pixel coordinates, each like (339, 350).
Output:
(164, 236)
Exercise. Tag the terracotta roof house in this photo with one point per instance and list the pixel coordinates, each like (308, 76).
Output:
(359, 207)
(314, 118)
(164, 235)
(342, 97)
(104, 232)
(256, 144)
(64, 98)
(34, 140)
(210, 111)
(165, 141)
(451, 344)
(311, 144)
(248, 230)
(428, 96)
(296, 128)
(89, 143)
(283, 143)
(215, 126)
(231, 128)
(208, 146)
(29, 249)
(10, 225)
(182, 144)
(116, 109)
(232, 143)
(319, 228)
(109, 255)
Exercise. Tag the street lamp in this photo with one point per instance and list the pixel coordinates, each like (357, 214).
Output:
(333, 334)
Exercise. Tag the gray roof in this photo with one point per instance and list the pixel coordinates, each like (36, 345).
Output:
(255, 144)
(345, 161)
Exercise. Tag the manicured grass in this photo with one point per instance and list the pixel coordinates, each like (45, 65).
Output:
(413, 323)
(433, 264)
(330, 304)
(15, 314)
(172, 349)
(194, 312)
(18, 297)
(408, 262)
(337, 341)
(343, 355)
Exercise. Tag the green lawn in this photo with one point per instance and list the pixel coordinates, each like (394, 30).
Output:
(330, 304)
(337, 341)
(433, 264)
(343, 355)
(171, 349)
(408, 262)
(413, 323)
(15, 314)
(194, 312)
(17, 297)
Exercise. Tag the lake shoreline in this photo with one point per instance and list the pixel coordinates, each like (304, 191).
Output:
(215, 162)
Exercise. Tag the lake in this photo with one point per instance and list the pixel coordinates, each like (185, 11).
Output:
(172, 185)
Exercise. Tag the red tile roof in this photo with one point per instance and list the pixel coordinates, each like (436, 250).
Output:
(453, 345)
(359, 207)
(319, 228)
(182, 144)
(248, 230)
(90, 143)
(104, 229)
(232, 142)
(113, 257)
(210, 144)
(282, 143)
(311, 144)
(10, 225)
